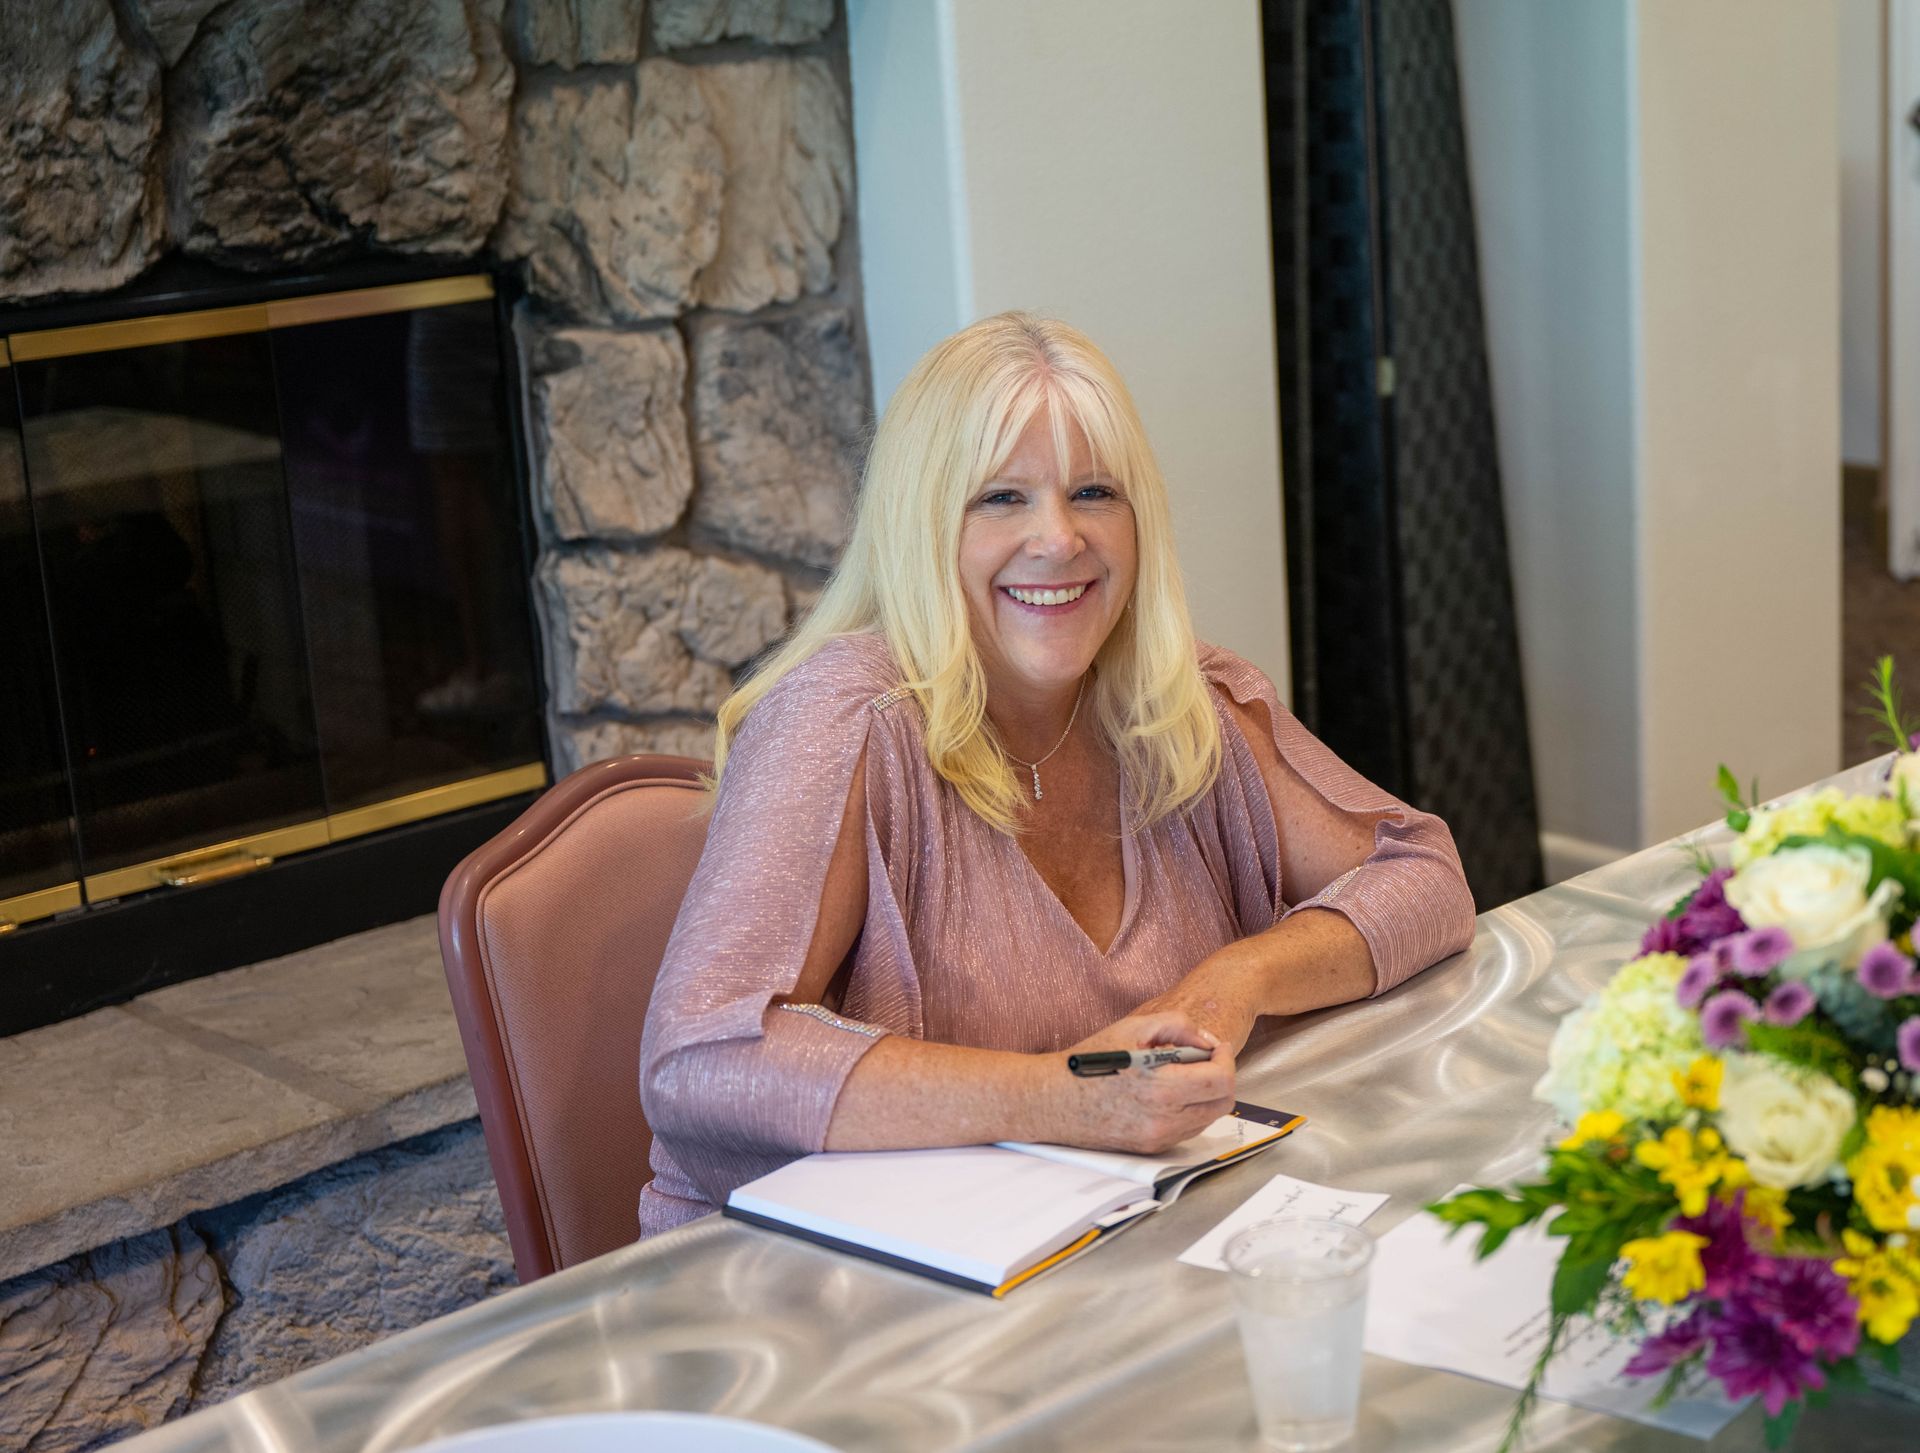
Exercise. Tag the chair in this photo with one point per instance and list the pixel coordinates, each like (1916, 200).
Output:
(551, 934)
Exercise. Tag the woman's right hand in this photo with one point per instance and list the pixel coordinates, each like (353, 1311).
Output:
(1142, 1111)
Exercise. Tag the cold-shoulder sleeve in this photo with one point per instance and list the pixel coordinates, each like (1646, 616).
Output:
(1408, 898)
(732, 1080)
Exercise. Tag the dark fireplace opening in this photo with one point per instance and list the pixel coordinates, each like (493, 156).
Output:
(264, 618)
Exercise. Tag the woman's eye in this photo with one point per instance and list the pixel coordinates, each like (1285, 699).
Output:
(998, 497)
(1099, 491)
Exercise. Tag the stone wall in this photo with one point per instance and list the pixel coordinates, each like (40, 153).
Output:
(117, 1340)
(675, 178)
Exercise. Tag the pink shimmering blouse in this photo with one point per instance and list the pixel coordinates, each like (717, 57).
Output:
(963, 942)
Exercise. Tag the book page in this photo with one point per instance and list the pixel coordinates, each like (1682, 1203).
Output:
(976, 1211)
(1226, 1136)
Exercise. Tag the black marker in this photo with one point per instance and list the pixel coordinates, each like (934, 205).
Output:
(1112, 1061)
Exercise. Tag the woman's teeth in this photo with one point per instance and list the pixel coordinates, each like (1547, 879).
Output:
(1047, 597)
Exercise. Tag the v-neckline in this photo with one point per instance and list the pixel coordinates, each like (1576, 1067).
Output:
(1129, 884)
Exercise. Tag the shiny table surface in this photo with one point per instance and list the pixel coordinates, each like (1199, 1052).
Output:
(1411, 1094)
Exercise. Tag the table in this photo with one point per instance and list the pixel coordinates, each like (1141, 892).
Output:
(1121, 1349)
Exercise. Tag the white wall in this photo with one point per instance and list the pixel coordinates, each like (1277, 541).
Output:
(1103, 161)
(1546, 92)
(1739, 527)
(1655, 190)
(1860, 92)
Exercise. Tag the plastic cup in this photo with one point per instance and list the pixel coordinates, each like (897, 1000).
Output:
(1300, 1290)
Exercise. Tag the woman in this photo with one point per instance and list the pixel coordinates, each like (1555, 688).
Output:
(992, 801)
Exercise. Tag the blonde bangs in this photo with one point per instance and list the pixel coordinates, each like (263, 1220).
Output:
(950, 426)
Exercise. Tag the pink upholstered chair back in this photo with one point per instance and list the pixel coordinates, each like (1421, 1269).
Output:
(552, 933)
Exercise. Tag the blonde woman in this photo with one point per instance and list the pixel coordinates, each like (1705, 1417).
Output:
(992, 802)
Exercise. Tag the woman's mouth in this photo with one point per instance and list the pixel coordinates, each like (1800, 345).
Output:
(1050, 599)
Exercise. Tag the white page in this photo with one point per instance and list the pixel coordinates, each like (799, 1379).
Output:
(977, 1211)
(1283, 1196)
(1430, 1303)
(1222, 1138)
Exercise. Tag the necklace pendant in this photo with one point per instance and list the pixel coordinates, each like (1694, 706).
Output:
(1037, 793)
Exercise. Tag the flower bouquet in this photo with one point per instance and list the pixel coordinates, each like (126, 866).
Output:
(1739, 1187)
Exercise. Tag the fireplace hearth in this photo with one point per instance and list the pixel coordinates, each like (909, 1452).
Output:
(263, 595)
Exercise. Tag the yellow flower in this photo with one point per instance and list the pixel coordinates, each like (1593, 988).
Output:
(1884, 1169)
(1765, 1205)
(1700, 1085)
(1886, 1283)
(1664, 1268)
(1690, 1164)
(1601, 1125)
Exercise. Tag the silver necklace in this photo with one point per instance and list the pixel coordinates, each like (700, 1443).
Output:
(1034, 767)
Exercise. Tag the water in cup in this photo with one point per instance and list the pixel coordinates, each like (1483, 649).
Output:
(1300, 1289)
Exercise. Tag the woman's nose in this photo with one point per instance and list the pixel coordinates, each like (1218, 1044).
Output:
(1056, 534)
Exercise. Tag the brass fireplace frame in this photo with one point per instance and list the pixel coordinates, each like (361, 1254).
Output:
(256, 850)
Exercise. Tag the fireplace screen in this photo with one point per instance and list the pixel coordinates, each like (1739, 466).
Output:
(262, 588)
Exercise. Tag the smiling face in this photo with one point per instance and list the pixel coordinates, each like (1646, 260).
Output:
(1047, 563)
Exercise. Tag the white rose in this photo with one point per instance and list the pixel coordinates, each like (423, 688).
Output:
(1818, 894)
(1786, 1123)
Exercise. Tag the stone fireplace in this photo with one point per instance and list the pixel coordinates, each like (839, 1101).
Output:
(657, 196)
(660, 190)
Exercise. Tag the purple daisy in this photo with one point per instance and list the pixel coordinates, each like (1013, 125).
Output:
(1729, 1258)
(1677, 1341)
(1809, 1301)
(1885, 972)
(1759, 951)
(1709, 917)
(1724, 1018)
(1752, 1354)
(1701, 975)
(1789, 1003)
(1906, 1040)
(1665, 937)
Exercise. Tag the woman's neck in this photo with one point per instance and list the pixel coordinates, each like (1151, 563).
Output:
(1032, 723)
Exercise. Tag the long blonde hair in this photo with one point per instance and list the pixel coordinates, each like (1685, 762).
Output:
(951, 426)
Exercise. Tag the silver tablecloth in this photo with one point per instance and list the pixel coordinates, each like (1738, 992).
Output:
(1123, 1348)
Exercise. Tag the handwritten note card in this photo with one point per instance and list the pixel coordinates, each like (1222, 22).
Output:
(1283, 1196)
(1431, 1304)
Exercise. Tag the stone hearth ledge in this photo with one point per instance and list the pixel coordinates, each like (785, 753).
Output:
(196, 1095)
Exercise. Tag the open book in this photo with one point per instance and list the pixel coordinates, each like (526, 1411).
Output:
(989, 1217)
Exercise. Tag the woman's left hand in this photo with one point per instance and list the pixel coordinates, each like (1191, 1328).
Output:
(1213, 997)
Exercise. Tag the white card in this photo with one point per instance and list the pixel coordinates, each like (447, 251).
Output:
(1283, 1196)
(1431, 1304)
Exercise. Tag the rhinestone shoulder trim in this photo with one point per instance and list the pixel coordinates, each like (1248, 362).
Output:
(834, 1021)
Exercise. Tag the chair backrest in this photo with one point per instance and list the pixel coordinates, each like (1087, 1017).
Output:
(552, 933)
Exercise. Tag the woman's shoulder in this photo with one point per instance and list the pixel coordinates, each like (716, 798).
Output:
(840, 680)
(1243, 681)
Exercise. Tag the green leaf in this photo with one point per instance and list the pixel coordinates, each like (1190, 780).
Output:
(1884, 707)
(1496, 1212)
(1887, 1352)
(1578, 1282)
(1780, 1430)
(1807, 1043)
(1729, 786)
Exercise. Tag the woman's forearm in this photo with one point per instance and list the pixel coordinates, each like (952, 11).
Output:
(1311, 960)
(906, 1093)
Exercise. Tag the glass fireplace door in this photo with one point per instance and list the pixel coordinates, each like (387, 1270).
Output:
(162, 516)
(271, 587)
(39, 863)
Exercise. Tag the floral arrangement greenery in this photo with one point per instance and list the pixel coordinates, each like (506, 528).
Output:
(1739, 1184)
